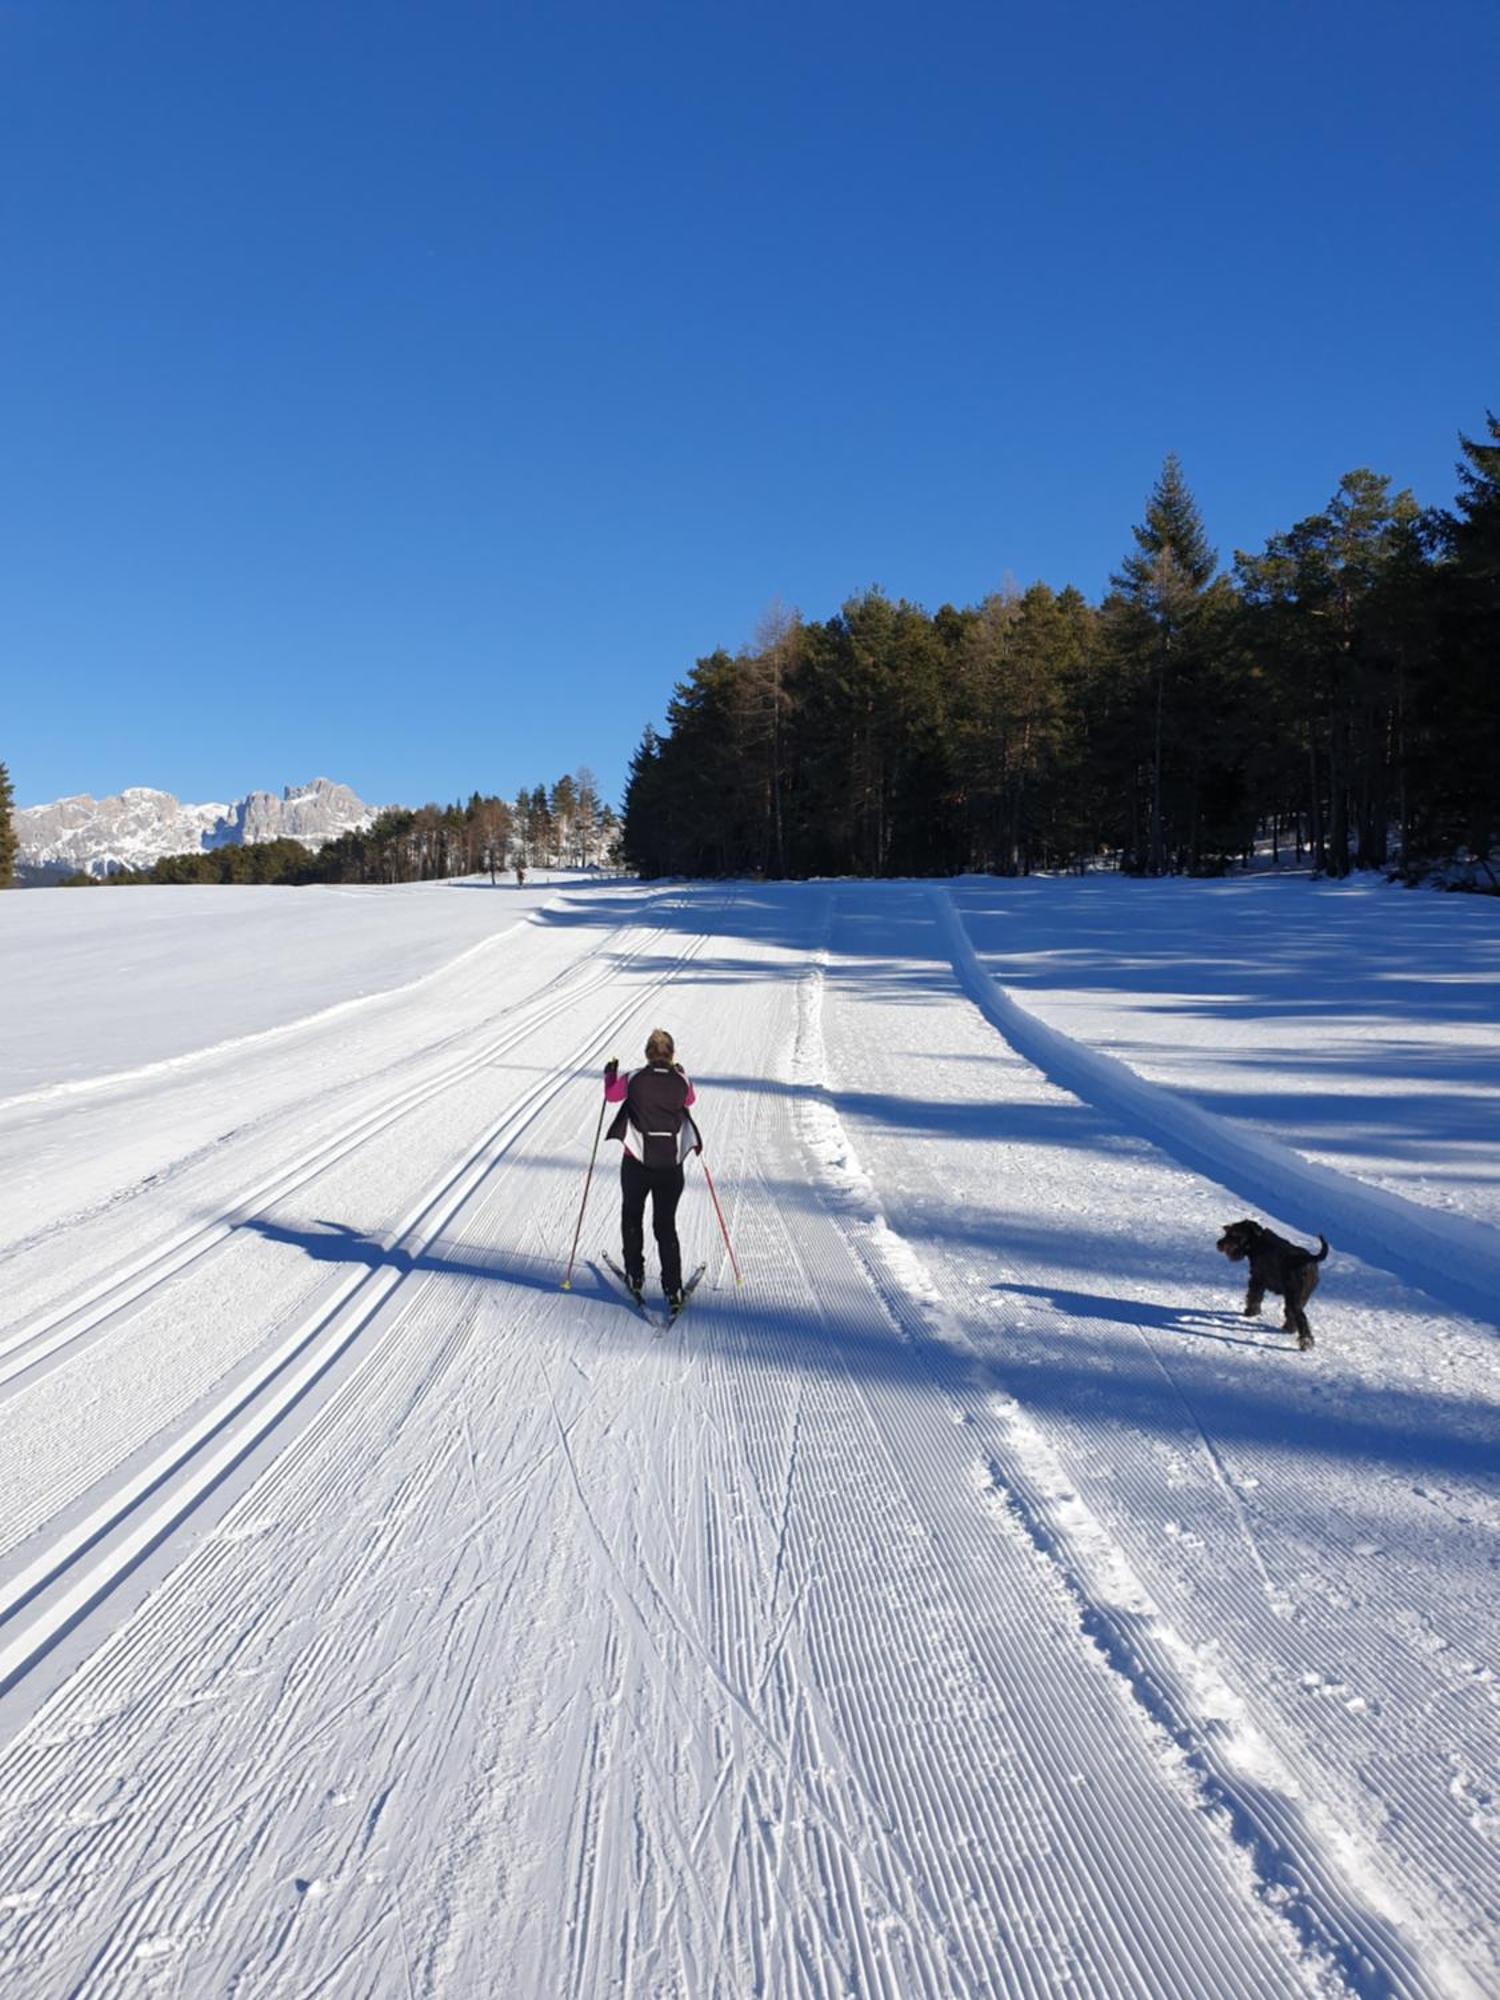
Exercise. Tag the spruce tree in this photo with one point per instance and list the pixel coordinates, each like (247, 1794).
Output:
(1458, 702)
(1476, 530)
(643, 835)
(1159, 589)
(9, 839)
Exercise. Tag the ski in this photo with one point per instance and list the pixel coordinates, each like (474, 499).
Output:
(675, 1313)
(636, 1302)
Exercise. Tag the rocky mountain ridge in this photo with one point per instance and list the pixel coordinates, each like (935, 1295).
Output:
(139, 825)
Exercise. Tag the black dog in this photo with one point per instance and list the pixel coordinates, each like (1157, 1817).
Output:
(1275, 1266)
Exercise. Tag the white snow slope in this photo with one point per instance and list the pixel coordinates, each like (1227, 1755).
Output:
(972, 1602)
(155, 974)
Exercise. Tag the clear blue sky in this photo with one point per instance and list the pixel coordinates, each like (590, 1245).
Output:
(410, 393)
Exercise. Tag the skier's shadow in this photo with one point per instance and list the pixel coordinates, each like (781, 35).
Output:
(340, 1243)
(1191, 1323)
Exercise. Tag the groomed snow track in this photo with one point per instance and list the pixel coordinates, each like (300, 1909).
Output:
(909, 1622)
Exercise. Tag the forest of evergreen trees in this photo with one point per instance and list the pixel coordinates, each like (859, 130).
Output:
(1332, 699)
(566, 825)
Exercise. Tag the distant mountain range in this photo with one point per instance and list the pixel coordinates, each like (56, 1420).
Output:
(139, 826)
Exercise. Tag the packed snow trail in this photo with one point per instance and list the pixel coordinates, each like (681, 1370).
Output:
(910, 1622)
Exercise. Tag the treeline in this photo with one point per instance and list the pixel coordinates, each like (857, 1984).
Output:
(1333, 699)
(566, 825)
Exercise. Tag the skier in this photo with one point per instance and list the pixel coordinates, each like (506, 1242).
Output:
(657, 1134)
(520, 874)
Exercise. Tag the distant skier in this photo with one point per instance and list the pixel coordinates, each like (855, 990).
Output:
(654, 1127)
(520, 874)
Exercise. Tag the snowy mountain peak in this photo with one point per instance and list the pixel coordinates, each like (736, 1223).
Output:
(139, 824)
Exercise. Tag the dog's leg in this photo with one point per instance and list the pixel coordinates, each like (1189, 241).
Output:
(1255, 1292)
(1299, 1290)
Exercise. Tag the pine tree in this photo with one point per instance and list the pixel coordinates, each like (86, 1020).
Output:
(9, 839)
(1321, 591)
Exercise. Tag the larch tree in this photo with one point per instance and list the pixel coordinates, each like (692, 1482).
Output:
(586, 817)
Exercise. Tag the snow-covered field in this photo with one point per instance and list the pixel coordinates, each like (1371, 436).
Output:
(972, 1603)
(1354, 1022)
(148, 974)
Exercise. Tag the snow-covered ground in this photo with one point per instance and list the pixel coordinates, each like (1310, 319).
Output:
(1354, 1021)
(971, 1603)
(149, 975)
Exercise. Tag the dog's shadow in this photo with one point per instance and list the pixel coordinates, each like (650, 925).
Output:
(1191, 1324)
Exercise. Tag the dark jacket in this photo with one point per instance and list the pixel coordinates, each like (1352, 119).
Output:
(653, 1119)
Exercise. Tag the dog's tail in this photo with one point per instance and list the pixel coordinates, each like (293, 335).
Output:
(1323, 1252)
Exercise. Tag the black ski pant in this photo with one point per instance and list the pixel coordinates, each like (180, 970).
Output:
(664, 1185)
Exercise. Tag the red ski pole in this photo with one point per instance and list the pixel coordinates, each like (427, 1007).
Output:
(567, 1283)
(713, 1191)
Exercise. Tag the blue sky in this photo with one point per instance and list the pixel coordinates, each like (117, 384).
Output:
(410, 393)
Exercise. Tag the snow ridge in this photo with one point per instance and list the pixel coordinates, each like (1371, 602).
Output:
(1452, 1258)
(1301, 1863)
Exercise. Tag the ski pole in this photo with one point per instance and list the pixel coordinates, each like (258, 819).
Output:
(713, 1191)
(567, 1283)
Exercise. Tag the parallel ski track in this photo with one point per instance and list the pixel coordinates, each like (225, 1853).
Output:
(54, 1335)
(211, 1831)
(82, 1565)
